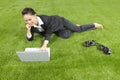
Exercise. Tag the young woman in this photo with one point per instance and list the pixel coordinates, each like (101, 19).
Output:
(46, 25)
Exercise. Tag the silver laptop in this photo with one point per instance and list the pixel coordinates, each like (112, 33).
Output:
(34, 54)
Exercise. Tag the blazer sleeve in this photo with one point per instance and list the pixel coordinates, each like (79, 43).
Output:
(48, 34)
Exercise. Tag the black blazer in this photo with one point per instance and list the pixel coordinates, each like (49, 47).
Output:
(51, 24)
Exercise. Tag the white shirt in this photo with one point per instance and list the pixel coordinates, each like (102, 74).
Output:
(40, 22)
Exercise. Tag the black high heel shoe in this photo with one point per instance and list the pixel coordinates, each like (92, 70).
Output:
(89, 43)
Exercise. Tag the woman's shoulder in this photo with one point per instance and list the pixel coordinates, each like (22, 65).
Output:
(42, 15)
(48, 15)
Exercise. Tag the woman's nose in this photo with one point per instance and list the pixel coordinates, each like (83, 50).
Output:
(29, 22)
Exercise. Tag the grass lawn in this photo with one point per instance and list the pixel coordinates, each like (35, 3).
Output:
(69, 59)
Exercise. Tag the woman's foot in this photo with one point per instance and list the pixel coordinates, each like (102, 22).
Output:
(77, 25)
(98, 25)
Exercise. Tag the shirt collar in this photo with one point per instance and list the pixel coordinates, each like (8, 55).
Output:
(40, 22)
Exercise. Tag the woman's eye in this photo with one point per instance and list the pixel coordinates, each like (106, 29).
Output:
(29, 19)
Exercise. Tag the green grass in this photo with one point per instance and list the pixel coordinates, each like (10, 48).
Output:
(69, 59)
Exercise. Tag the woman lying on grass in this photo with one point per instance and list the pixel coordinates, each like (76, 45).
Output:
(46, 25)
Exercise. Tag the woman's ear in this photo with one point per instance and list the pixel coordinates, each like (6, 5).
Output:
(35, 15)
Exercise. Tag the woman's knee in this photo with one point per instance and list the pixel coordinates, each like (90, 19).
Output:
(66, 34)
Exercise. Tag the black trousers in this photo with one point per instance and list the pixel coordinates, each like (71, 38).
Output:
(69, 28)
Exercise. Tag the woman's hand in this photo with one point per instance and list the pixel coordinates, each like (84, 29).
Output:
(28, 27)
(43, 48)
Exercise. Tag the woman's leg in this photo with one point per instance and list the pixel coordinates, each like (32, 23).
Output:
(69, 25)
(64, 33)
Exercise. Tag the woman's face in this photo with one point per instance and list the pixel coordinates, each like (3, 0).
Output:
(30, 19)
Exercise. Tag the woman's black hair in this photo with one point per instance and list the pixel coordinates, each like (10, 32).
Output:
(28, 11)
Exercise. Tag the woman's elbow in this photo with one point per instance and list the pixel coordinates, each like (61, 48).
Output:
(29, 39)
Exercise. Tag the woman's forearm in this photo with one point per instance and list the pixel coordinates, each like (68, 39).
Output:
(29, 33)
